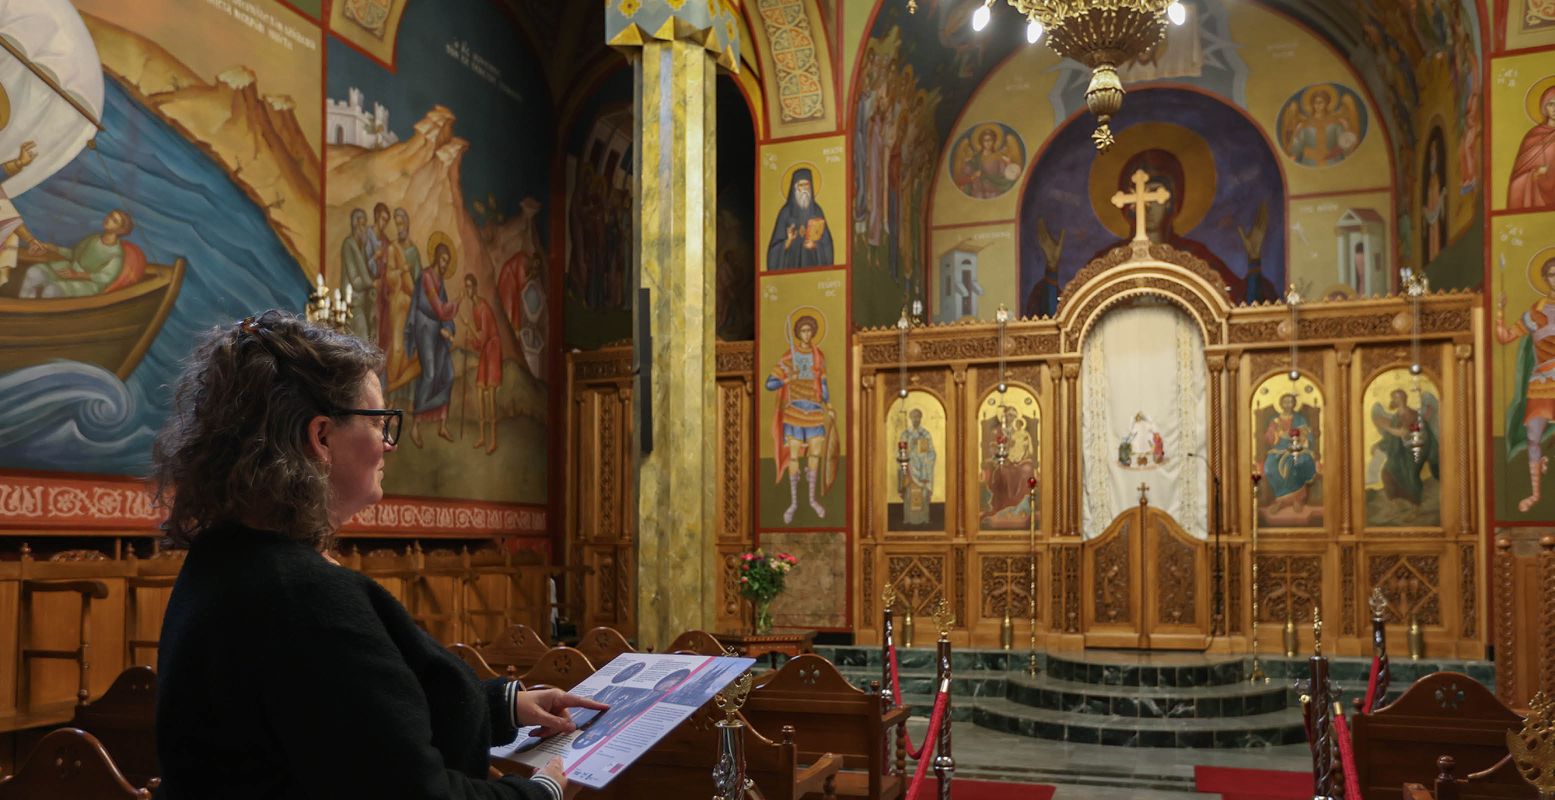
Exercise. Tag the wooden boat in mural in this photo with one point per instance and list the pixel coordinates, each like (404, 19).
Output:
(51, 90)
(112, 330)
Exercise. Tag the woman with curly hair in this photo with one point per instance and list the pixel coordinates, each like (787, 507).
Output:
(281, 673)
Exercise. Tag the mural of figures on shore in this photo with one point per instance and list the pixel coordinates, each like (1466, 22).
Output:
(1012, 421)
(1322, 124)
(1402, 488)
(1527, 383)
(987, 160)
(802, 357)
(915, 475)
(437, 228)
(196, 204)
(1287, 420)
(1189, 147)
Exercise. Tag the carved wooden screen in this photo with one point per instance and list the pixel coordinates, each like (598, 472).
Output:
(1145, 583)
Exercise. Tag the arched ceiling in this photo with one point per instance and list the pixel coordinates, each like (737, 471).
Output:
(1388, 41)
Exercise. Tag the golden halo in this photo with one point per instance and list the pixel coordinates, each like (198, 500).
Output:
(1311, 93)
(1536, 275)
(820, 324)
(788, 174)
(438, 237)
(1534, 112)
(998, 133)
(1198, 168)
(5, 108)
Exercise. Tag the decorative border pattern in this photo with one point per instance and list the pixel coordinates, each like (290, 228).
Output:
(793, 52)
(55, 503)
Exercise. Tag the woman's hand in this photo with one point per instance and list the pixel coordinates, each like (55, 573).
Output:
(553, 770)
(548, 709)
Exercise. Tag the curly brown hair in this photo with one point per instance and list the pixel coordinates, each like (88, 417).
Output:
(234, 448)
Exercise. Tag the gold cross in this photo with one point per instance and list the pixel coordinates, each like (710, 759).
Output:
(1144, 491)
(1139, 199)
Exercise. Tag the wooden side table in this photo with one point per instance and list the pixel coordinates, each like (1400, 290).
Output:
(771, 645)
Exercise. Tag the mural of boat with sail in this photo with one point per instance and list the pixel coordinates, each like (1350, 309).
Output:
(51, 105)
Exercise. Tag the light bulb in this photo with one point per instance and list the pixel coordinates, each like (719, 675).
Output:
(980, 18)
(1033, 31)
(1177, 13)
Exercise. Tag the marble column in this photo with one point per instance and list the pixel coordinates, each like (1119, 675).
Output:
(675, 53)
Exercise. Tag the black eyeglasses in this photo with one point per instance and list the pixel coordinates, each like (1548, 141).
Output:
(392, 419)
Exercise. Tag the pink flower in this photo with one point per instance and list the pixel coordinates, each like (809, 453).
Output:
(745, 580)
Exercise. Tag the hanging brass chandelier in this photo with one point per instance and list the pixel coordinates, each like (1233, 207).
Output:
(1101, 34)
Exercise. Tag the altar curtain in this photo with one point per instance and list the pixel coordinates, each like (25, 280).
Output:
(1150, 359)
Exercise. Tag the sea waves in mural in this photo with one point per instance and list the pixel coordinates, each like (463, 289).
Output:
(1216, 166)
(174, 242)
(1287, 420)
(1403, 486)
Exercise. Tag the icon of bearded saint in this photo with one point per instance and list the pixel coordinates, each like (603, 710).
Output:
(800, 236)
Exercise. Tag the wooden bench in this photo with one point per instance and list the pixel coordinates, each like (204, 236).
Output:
(809, 695)
(29, 714)
(518, 647)
(70, 763)
(1444, 713)
(697, 643)
(1500, 782)
(560, 667)
(123, 721)
(681, 765)
(602, 645)
(484, 671)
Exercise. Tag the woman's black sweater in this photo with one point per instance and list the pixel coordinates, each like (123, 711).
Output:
(281, 675)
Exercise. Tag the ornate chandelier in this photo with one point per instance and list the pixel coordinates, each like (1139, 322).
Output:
(1101, 34)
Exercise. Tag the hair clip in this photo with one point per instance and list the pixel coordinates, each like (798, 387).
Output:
(249, 325)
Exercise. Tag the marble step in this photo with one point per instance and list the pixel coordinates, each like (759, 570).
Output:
(1147, 702)
(1256, 730)
(1145, 669)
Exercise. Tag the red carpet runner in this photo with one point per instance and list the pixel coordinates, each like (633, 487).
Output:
(962, 789)
(1253, 784)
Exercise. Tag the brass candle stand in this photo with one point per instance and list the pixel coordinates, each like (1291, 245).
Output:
(1256, 674)
(1031, 587)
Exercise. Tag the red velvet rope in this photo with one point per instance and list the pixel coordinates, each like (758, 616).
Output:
(1352, 781)
(922, 756)
(1371, 686)
(914, 753)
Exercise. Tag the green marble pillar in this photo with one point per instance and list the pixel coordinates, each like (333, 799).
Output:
(675, 66)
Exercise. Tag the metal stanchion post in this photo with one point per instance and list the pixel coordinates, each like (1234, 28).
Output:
(944, 764)
(729, 781)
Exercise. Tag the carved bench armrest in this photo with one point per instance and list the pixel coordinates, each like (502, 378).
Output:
(895, 716)
(813, 778)
(97, 590)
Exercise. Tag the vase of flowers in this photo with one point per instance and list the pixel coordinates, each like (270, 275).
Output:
(761, 581)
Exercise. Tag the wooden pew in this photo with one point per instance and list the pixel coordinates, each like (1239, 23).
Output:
(681, 765)
(518, 647)
(123, 721)
(86, 590)
(70, 763)
(697, 643)
(561, 667)
(471, 656)
(1500, 782)
(602, 644)
(809, 695)
(1444, 713)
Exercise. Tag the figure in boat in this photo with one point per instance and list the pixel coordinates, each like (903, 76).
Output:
(100, 263)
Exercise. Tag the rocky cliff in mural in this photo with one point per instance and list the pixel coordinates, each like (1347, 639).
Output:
(254, 136)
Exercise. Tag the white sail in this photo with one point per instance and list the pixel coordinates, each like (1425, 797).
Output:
(51, 35)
